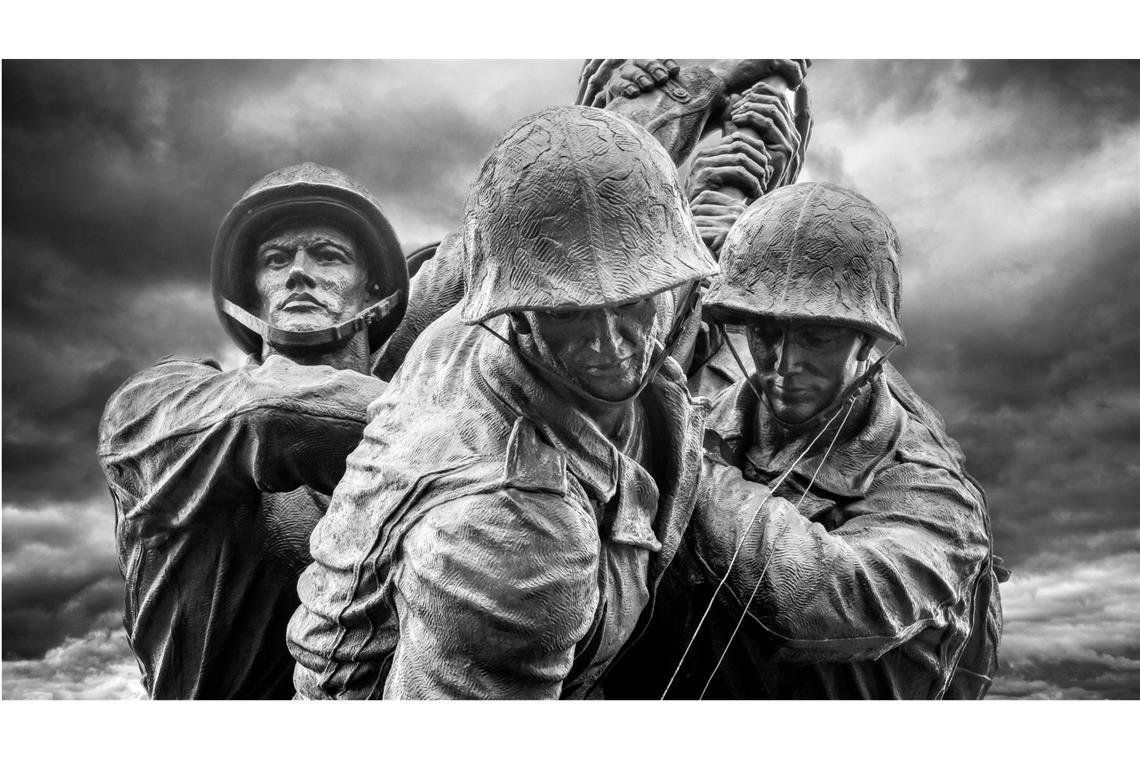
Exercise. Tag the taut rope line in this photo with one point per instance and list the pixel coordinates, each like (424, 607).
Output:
(736, 553)
(768, 561)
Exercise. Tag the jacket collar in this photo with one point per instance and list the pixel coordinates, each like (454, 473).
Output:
(734, 435)
(647, 512)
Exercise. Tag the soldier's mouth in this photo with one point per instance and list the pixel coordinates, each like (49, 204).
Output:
(608, 367)
(791, 394)
(301, 302)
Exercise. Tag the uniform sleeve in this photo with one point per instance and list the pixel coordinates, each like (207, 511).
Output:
(436, 288)
(904, 561)
(491, 592)
(183, 429)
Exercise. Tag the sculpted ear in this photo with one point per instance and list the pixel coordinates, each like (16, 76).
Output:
(865, 349)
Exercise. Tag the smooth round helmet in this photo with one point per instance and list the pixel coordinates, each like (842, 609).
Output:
(576, 207)
(811, 251)
(304, 190)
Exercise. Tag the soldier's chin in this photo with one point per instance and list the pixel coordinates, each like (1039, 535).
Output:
(617, 387)
(303, 322)
(794, 413)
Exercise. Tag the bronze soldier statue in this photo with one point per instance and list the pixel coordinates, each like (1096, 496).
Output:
(525, 481)
(218, 477)
(839, 548)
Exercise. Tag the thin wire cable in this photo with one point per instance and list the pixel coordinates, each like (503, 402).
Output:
(739, 544)
(768, 561)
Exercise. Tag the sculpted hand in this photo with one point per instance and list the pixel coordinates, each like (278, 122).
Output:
(714, 213)
(741, 73)
(603, 79)
(765, 113)
(740, 159)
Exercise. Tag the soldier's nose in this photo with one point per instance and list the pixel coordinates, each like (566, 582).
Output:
(607, 331)
(791, 356)
(298, 274)
(778, 353)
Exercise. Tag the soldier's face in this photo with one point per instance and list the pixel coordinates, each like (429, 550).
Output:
(309, 276)
(606, 352)
(803, 366)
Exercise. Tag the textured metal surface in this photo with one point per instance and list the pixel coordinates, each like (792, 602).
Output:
(677, 113)
(812, 251)
(478, 525)
(576, 208)
(304, 190)
(217, 480)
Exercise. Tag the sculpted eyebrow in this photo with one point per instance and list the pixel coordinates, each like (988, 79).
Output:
(270, 245)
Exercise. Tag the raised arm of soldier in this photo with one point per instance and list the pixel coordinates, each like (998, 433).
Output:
(218, 477)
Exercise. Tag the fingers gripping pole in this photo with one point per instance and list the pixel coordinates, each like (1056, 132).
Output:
(780, 85)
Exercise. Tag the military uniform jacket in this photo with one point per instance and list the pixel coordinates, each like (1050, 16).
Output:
(487, 541)
(218, 478)
(876, 582)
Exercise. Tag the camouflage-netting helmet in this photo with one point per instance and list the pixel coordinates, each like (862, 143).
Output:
(811, 251)
(304, 190)
(576, 208)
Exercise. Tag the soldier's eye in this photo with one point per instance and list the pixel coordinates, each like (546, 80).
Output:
(817, 340)
(764, 333)
(330, 255)
(820, 338)
(274, 259)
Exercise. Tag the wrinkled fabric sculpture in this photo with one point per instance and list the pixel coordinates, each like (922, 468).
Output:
(488, 540)
(869, 572)
(219, 477)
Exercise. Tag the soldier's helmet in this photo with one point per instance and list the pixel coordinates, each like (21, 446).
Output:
(811, 251)
(576, 208)
(305, 190)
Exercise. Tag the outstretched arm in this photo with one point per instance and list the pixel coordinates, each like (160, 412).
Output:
(903, 561)
(184, 429)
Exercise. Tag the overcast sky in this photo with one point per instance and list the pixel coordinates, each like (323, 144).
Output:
(1013, 185)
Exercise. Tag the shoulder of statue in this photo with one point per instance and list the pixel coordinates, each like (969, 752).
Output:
(171, 360)
(142, 395)
(531, 463)
(165, 374)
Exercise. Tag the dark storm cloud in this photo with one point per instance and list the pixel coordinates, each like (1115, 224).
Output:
(98, 665)
(1086, 91)
(60, 575)
(1071, 629)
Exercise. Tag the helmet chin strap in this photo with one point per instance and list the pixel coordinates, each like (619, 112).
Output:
(812, 422)
(681, 317)
(312, 341)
